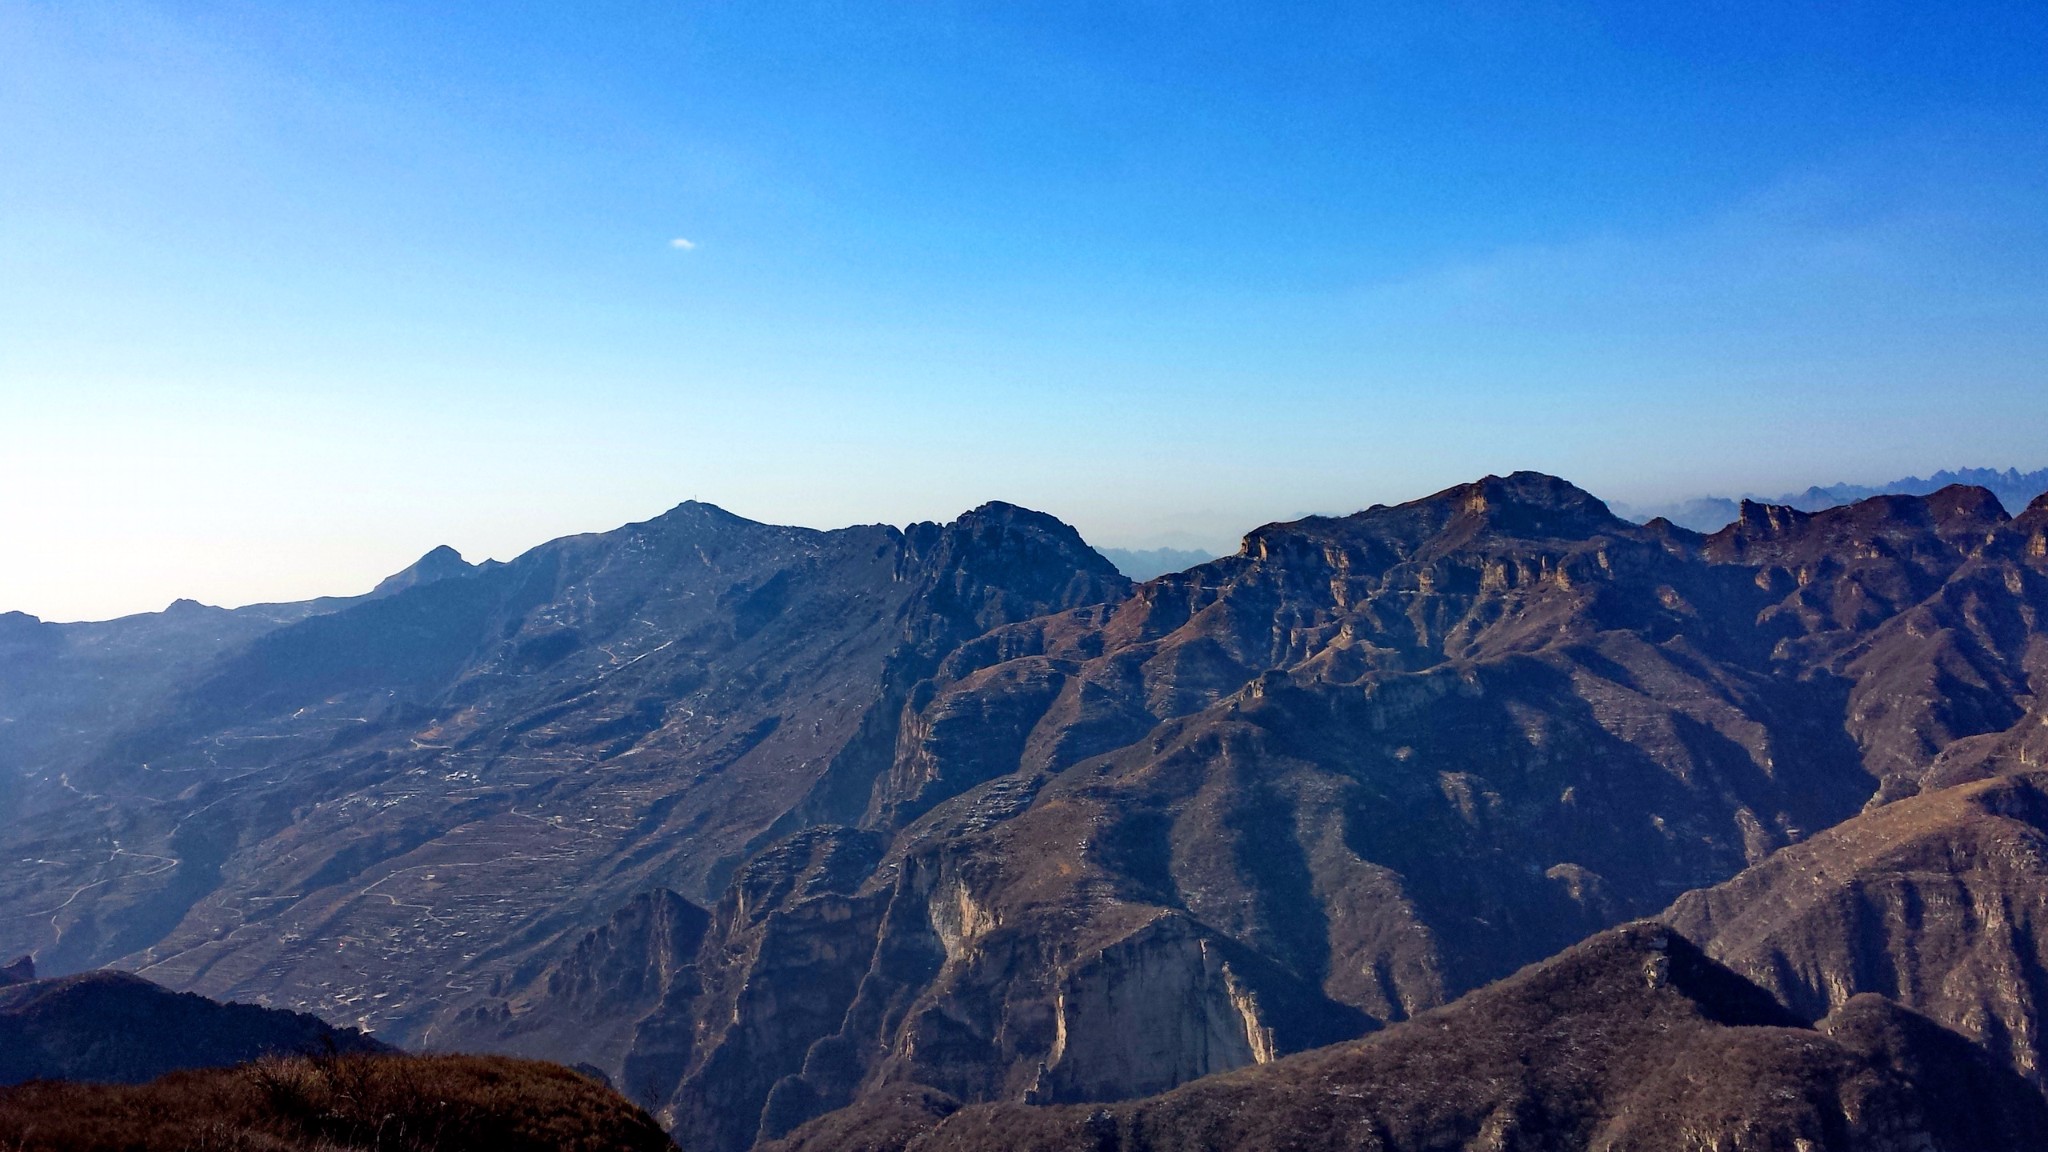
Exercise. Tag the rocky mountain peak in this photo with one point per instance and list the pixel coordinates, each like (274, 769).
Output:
(694, 521)
(1001, 563)
(1953, 521)
(1768, 521)
(438, 564)
(1967, 503)
(698, 511)
(1533, 504)
(1000, 525)
(1524, 505)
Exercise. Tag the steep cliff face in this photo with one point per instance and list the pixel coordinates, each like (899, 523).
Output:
(826, 974)
(1157, 1008)
(1939, 902)
(1633, 1040)
(585, 1008)
(1370, 763)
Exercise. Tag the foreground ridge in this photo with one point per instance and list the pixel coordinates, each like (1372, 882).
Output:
(331, 1103)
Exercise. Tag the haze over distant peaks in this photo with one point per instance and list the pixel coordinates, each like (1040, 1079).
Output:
(2014, 489)
(1145, 563)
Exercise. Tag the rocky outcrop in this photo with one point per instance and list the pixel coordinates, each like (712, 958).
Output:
(1633, 1040)
(1160, 1007)
(587, 1008)
(1939, 902)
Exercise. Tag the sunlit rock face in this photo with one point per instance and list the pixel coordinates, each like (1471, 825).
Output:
(958, 811)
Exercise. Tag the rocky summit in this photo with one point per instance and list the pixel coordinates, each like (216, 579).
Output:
(783, 829)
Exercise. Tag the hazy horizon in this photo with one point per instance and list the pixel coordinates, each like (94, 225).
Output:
(289, 296)
(363, 576)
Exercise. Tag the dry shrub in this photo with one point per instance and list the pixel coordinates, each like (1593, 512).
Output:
(334, 1103)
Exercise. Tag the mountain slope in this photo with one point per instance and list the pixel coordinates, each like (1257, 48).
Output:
(392, 803)
(113, 1026)
(1939, 902)
(1632, 1040)
(1363, 766)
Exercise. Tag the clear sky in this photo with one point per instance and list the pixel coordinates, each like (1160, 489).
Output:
(290, 293)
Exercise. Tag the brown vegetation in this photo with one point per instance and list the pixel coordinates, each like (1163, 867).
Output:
(388, 1103)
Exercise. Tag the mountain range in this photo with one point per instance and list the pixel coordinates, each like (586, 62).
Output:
(2013, 488)
(954, 830)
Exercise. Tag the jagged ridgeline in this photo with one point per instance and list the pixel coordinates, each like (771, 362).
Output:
(764, 822)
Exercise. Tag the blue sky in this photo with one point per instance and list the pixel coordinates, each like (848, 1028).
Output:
(291, 293)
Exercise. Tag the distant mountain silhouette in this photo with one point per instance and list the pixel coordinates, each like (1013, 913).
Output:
(1146, 563)
(2013, 488)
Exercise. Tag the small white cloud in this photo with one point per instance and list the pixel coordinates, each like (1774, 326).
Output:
(681, 244)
